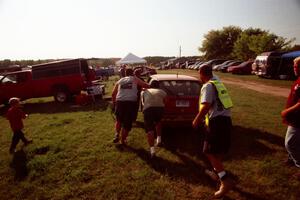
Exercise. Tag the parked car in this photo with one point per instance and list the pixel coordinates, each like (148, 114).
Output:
(224, 67)
(182, 99)
(60, 79)
(103, 73)
(217, 67)
(243, 68)
(213, 62)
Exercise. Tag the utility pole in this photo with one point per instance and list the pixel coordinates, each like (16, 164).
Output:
(179, 51)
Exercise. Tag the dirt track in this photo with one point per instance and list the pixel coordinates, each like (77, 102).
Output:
(266, 89)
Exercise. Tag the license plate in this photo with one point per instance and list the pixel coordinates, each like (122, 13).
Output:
(182, 103)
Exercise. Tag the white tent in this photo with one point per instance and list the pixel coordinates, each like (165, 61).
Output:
(131, 59)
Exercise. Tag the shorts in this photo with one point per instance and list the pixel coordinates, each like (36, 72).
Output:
(125, 113)
(152, 116)
(218, 136)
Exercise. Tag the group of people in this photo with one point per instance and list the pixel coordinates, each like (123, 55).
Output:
(215, 105)
(125, 96)
(214, 111)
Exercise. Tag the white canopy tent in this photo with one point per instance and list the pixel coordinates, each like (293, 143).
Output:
(131, 59)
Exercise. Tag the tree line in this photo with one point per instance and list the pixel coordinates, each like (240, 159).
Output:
(232, 42)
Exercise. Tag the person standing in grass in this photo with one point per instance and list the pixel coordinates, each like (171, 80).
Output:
(214, 108)
(15, 116)
(291, 116)
(124, 97)
(153, 109)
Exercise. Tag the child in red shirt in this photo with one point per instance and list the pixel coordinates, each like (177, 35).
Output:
(15, 117)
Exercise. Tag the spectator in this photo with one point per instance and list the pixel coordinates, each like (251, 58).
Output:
(122, 71)
(15, 117)
(291, 116)
(124, 96)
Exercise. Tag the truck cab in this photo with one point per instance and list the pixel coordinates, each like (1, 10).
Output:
(15, 84)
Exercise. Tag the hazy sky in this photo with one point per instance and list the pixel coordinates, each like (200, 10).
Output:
(40, 29)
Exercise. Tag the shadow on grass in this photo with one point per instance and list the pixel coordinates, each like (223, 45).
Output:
(19, 164)
(252, 142)
(54, 107)
(187, 170)
(244, 142)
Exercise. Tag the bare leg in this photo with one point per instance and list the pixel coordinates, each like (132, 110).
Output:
(150, 137)
(158, 132)
(117, 133)
(124, 133)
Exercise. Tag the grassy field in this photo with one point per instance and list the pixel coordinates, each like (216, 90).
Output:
(73, 157)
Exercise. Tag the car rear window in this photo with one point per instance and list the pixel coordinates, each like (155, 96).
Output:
(180, 88)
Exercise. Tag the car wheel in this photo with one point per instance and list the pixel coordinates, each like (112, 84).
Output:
(61, 96)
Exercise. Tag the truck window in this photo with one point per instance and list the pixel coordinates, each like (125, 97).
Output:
(10, 79)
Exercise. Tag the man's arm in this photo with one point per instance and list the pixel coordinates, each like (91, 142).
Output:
(115, 92)
(289, 110)
(141, 83)
(204, 108)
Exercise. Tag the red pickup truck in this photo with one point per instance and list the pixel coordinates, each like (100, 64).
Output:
(60, 79)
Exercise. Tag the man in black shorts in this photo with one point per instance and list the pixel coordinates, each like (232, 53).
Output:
(214, 108)
(124, 97)
(153, 109)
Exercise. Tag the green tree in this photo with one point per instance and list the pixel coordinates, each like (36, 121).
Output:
(253, 42)
(220, 43)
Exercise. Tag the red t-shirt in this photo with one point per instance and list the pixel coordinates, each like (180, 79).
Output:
(294, 97)
(15, 116)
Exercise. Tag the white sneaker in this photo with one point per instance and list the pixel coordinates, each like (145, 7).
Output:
(152, 152)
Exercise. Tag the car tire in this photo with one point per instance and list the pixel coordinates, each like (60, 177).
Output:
(61, 96)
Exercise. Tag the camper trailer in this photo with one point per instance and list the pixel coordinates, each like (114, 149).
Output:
(267, 64)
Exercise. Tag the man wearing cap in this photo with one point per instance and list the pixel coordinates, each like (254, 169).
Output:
(214, 109)
(291, 116)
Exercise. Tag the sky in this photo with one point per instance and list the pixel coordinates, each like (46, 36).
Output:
(54, 29)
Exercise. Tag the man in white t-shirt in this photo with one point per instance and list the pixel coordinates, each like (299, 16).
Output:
(153, 109)
(124, 97)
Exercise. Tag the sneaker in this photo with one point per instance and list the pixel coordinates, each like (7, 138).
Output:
(116, 139)
(152, 152)
(211, 174)
(226, 185)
